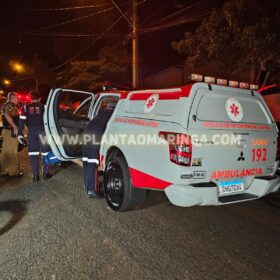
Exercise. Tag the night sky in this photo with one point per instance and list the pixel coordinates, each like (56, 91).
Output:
(27, 28)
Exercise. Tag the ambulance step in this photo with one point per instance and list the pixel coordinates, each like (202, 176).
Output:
(237, 197)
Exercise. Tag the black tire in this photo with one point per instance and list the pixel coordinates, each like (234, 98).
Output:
(119, 192)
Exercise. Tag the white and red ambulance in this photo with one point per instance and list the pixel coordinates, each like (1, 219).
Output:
(202, 144)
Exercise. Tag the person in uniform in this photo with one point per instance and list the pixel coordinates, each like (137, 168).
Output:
(9, 155)
(95, 128)
(32, 116)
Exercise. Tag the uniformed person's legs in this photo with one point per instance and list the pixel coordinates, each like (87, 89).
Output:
(91, 177)
(86, 148)
(34, 152)
(90, 169)
(85, 174)
(9, 154)
(45, 149)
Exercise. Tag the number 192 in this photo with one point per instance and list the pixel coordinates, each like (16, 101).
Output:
(259, 154)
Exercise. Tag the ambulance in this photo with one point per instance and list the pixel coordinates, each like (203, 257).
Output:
(212, 142)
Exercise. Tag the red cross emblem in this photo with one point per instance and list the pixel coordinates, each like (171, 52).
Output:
(234, 110)
(150, 103)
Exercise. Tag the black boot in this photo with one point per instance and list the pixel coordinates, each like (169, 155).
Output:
(47, 176)
(93, 194)
(36, 179)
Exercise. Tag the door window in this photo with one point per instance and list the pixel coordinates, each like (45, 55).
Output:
(106, 102)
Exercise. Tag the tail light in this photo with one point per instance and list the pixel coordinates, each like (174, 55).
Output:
(278, 149)
(180, 147)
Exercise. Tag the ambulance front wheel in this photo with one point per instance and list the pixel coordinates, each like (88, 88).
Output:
(119, 192)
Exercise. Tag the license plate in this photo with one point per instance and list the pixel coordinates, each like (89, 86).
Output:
(231, 187)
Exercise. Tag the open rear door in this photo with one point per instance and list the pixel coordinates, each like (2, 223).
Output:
(236, 135)
(66, 116)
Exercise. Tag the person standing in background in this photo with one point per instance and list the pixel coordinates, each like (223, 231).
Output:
(9, 155)
(32, 116)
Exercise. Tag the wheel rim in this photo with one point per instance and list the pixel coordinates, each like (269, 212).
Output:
(114, 186)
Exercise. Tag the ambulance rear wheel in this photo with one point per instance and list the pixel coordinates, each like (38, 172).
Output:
(119, 192)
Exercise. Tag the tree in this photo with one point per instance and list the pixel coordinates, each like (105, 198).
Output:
(112, 64)
(242, 38)
(40, 72)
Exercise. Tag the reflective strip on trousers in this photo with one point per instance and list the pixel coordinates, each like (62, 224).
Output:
(93, 161)
(34, 153)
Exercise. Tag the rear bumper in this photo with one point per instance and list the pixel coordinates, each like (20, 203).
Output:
(188, 195)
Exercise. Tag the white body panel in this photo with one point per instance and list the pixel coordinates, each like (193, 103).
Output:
(150, 165)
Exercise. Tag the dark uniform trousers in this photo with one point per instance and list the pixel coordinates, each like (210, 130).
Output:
(32, 117)
(95, 129)
(37, 144)
(90, 167)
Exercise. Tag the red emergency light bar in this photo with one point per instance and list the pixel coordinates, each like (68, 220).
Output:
(223, 82)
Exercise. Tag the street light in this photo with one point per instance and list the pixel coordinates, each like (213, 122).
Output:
(17, 67)
(21, 68)
(6, 82)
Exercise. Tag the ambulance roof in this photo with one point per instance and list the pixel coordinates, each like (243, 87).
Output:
(164, 94)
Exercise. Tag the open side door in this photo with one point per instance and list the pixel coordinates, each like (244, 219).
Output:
(66, 116)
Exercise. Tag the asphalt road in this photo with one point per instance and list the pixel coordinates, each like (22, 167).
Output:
(52, 231)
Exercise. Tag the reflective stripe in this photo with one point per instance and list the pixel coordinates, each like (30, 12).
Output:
(84, 159)
(93, 161)
(22, 117)
(34, 153)
(53, 157)
(96, 183)
(44, 154)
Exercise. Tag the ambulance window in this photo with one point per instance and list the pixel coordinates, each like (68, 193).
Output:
(108, 102)
(83, 109)
(211, 107)
(73, 106)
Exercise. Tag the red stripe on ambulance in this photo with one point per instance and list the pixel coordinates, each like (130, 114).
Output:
(172, 95)
(136, 122)
(227, 125)
(162, 96)
(143, 180)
